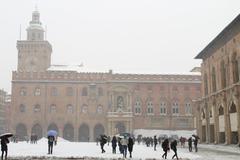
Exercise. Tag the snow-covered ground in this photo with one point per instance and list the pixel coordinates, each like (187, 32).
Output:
(79, 150)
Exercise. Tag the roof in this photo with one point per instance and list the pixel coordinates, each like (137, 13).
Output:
(222, 38)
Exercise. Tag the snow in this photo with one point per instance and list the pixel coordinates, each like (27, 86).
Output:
(66, 149)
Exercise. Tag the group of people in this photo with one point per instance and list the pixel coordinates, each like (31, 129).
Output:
(124, 143)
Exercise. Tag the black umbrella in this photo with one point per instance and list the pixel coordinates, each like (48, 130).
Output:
(195, 136)
(6, 135)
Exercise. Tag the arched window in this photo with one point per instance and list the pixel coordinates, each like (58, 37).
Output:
(203, 114)
(137, 107)
(223, 74)
(221, 111)
(214, 83)
(84, 91)
(36, 108)
(188, 108)
(205, 84)
(235, 71)
(69, 91)
(23, 91)
(84, 109)
(53, 108)
(37, 92)
(69, 109)
(175, 109)
(22, 108)
(149, 107)
(54, 91)
(163, 109)
(233, 108)
(99, 109)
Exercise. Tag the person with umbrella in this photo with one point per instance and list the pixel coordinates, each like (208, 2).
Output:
(195, 142)
(4, 142)
(51, 138)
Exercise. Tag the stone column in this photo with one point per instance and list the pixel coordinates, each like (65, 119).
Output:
(238, 114)
(227, 123)
(207, 124)
(216, 126)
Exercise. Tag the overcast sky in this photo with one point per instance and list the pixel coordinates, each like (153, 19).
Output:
(127, 36)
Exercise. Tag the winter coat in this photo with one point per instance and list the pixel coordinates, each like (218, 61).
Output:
(174, 145)
(4, 142)
(103, 139)
(130, 144)
(51, 139)
(165, 145)
(114, 142)
(155, 140)
(124, 141)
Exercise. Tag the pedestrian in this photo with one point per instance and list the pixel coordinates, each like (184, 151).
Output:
(103, 141)
(51, 139)
(130, 145)
(120, 145)
(114, 144)
(124, 142)
(165, 147)
(190, 144)
(108, 139)
(174, 148)
(4, 148)
(155, 141)
(182, 140)
(195, 142)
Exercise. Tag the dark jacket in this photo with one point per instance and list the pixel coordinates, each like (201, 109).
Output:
(114, 142)
(165, 145)
(51, 139)
(103, 139)
(130, 144)
(4, 142)
(174, 145)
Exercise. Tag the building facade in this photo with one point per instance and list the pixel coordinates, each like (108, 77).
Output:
(218, 109)
(2, 110)
(82, 105)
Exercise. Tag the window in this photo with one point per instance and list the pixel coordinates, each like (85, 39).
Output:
(69, 91)
(37, 92)
(223, 75)
(233, 108)
(36, 108)
(100, 91)
(203, 114)
(84, 91)
(188, 108)
(23, 91)
(175, 108)
(214, 87)
(84, 109)
(69, 108)
(163, 109)
(54, 91)
(22, 108)
(137, 107)
(205, 84)
(99, 109)
(221, 111)
(53, 108)
(149, 107)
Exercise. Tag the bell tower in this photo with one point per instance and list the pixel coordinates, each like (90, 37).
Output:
(34, 54)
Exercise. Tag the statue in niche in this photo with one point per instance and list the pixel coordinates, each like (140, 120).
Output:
(120, 103)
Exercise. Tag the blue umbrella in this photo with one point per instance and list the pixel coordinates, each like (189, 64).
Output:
(51, 133)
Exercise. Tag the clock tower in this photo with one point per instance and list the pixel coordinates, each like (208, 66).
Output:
(34, 54)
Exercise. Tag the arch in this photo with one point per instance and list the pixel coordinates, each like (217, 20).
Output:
(21, 131)
(83, 133)
(68, 132)
(232, 108)
(120, 127)
(53, 126)
(37, 130)
(98, 130)
(220, 110)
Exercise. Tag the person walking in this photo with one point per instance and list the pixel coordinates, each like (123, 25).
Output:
(51, 139)
(130, 145)
(190, 144)
(165, 147)
(124, 143)
(4, 148)
(174, 148)
(103, 141)
(155, 141)
(195, 142)
(114, 144)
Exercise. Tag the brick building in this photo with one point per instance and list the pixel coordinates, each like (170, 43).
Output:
(81, 105)
(218, 109)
